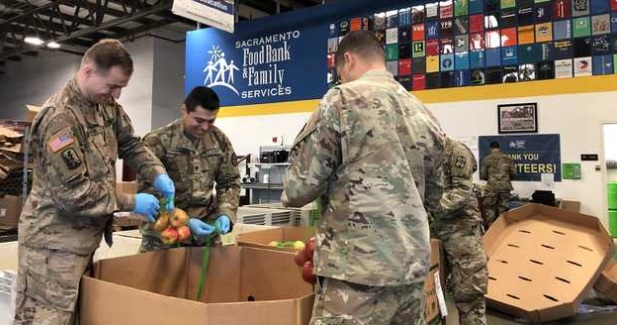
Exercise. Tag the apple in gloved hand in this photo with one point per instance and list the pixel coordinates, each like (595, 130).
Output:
(169, 236)
(307, 273)
(184, 233)
(178, 218)
(161, 223)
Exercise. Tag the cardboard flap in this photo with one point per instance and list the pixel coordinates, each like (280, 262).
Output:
(223, 277)
(607, 282)
(163, 272)
(261, 239)
(270, 275)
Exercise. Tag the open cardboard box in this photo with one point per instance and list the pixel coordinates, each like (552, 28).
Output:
(542, 260)
(261, 239)
(244, 286)
(607, 283)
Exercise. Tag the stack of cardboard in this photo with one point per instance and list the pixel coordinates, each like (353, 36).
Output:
(11, 154)
(12, 160)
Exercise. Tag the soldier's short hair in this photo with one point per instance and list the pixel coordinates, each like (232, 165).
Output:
(360, 42)
(202, 96)
(108, 53)
(494, 145)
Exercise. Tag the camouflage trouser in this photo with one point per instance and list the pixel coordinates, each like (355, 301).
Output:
(344, 303)
(468, 272)
(152, 244)
(47, 286)
(494, 204)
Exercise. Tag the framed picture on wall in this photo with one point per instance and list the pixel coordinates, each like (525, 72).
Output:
(518, 118)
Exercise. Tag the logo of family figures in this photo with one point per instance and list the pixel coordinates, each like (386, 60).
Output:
(219, 72)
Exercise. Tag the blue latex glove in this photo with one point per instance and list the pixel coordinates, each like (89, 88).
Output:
(223, 222)
(200, 228)
(146, 205)
(165, 185)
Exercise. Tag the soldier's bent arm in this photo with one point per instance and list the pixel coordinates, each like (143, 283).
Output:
(228, 183)
(153, 142)
(512, 169)
(64, 161)
(461, 184)
(316, 154)
(484, 169)
(434, 183)
(135, 152)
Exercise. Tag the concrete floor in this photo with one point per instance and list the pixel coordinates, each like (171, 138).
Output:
(497, 318)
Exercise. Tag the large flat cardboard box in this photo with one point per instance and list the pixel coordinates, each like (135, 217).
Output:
(10, 209)
(607, 283)
(244, 286)
(261, 239)
(543, 260)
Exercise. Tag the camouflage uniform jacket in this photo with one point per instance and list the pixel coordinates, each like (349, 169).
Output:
(372, 152)
(497, 170)
(75, 145)
(458, 168)
(195, 169)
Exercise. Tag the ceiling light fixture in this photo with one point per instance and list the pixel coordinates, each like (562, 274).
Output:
(34, 40)
(53, 45)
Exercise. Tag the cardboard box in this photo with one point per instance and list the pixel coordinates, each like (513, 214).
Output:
(31, 112)
(244, 286)
(573, 206)
(433, 291)
(607, 283)
(261, 239)
(542, 260)
(126, 187)
(10, 210)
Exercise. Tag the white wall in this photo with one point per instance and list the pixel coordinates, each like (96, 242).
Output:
(610, 149)
(577, 118)
(168, 85)
(136, 98)
(34, 80)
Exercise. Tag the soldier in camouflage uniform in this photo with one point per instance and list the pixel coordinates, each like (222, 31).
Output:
(76, 140)
(197, 155)
(372, 153)
(458, 225)
(497, 170)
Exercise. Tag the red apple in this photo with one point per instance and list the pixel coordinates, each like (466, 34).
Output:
(184, 233)
(310, 248)
(300, 257)
(178, 218)
(169, 236)
(307, 273)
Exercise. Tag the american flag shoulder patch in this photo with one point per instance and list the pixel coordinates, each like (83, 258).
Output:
(60, 141)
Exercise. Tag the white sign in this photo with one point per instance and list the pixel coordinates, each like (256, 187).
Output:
(216, 13)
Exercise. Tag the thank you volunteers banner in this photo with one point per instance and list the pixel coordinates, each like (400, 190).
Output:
(533, 155)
